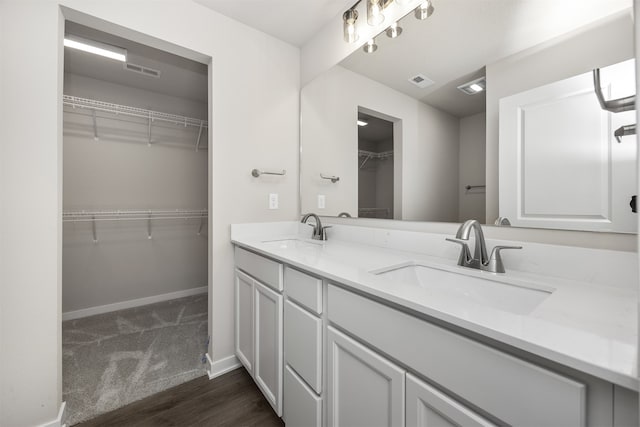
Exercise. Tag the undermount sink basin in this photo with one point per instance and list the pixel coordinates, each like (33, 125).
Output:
(508, 295)
(292, 243)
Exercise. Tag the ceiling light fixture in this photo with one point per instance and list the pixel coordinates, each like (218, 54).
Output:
(362, 123)
(349, 19)
(474, 86)
(425, 10)
(374, 12)
(394, 30)
(97, 48)
(370, 46)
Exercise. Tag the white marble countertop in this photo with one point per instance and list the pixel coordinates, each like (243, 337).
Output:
(588, 327)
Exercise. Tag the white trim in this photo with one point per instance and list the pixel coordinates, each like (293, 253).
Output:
(85, 312)
(60, 420)
(222, 366)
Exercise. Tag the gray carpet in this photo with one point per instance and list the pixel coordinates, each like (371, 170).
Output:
(112, 359)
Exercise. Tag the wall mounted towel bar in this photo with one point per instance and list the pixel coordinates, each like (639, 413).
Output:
(469, 187)
(257, 172)
(614, 105)
(333, 178)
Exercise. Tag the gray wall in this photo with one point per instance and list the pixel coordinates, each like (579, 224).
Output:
(120, 172)
(472, 167)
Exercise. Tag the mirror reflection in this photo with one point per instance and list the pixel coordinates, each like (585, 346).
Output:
(438, 143)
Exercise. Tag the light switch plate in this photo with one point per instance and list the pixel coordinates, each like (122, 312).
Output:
(321, 201)
(273, 201)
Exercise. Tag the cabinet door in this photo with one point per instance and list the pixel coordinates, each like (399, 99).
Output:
(428, 407)
(244, 320)
(303, 344)
(364, 388)
(302, 407)
(268, 342)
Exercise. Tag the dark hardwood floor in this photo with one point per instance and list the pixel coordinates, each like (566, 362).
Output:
(230, 400)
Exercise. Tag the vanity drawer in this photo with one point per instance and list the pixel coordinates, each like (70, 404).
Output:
(303, 344)
(513, 390)
(304, 289)
(265, 270)
(301, 405)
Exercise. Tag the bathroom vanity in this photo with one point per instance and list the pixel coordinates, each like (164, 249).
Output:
(381, 327)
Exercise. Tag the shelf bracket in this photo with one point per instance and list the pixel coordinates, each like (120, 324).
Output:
(95, 126)
(199, 135)
(93, 229)
(201, 224)
(149, 131)
(149, 226)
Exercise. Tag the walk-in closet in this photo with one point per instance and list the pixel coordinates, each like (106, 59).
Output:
(135, 215)
(375, 167)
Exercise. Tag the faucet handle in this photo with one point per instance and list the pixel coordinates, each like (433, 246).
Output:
(465, 253)
(495, 264)
(324, 231)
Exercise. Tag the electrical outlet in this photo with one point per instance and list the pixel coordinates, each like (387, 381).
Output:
(321, 201)
(273, 201)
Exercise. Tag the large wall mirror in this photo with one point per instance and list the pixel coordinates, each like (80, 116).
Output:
(485, 109)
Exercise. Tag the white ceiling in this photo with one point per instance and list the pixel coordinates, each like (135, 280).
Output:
(293, 21)
(180, 77)
(462, 36)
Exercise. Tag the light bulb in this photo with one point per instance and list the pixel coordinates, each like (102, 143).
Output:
(394, 30)
(349, 23)
(425, 10)
(374, 12)
(370, 46)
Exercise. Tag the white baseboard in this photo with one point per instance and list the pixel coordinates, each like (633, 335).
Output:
(222, 366)
(61, 419)
(85, 312)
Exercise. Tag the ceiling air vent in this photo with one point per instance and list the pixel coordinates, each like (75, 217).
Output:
(142, 70)
(421, 81)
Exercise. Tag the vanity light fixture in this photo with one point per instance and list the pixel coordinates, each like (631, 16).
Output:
(349, 19)
(370, 47)
(97, 48)
(394, 30)
(374, 12)
(425, 10)
(362, 123)
(474, 86)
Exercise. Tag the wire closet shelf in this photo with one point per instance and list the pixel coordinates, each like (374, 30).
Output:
(132, 215)
(125, 110)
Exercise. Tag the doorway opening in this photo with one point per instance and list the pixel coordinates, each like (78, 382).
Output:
(375, 166)
(135, 222)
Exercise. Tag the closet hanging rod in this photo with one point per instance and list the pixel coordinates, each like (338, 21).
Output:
(91, 216)
(375, 155)
(92, 104)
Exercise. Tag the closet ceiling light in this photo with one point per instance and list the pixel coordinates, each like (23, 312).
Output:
(362, 123)
(97, 48)
(474, 86)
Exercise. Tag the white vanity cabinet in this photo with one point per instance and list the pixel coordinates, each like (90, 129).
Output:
(259, 322)
(427, 406)
(326, 355)
(363, 388)
(303, 336)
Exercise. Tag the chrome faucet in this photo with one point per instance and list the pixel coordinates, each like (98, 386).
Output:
(319, 232)
(480, 259)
